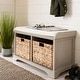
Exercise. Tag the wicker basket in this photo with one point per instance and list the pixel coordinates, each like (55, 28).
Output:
(22, 46)
(43, 53)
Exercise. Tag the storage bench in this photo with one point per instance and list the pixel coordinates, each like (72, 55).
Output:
(50, 52)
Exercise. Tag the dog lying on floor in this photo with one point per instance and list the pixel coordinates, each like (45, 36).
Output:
(74, 73)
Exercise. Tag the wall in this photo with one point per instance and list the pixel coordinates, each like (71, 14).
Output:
(39, 12)
(21, 12)
(31, 12)
(7, 6)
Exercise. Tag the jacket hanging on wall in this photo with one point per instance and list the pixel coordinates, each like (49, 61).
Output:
(58, 8)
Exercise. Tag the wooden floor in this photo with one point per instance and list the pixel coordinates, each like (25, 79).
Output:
(43, 75)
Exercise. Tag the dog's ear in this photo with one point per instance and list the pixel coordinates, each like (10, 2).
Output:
(75, 66)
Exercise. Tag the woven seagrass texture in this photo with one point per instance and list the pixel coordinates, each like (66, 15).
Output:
(43, 55)
(10, 71)
(22, 48)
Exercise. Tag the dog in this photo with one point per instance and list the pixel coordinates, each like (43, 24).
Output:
(73, 73)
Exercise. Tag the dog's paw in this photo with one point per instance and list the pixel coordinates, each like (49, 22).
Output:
(67, 77)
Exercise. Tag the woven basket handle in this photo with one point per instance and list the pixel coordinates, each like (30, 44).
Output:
(22, 40)
(41, 44)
